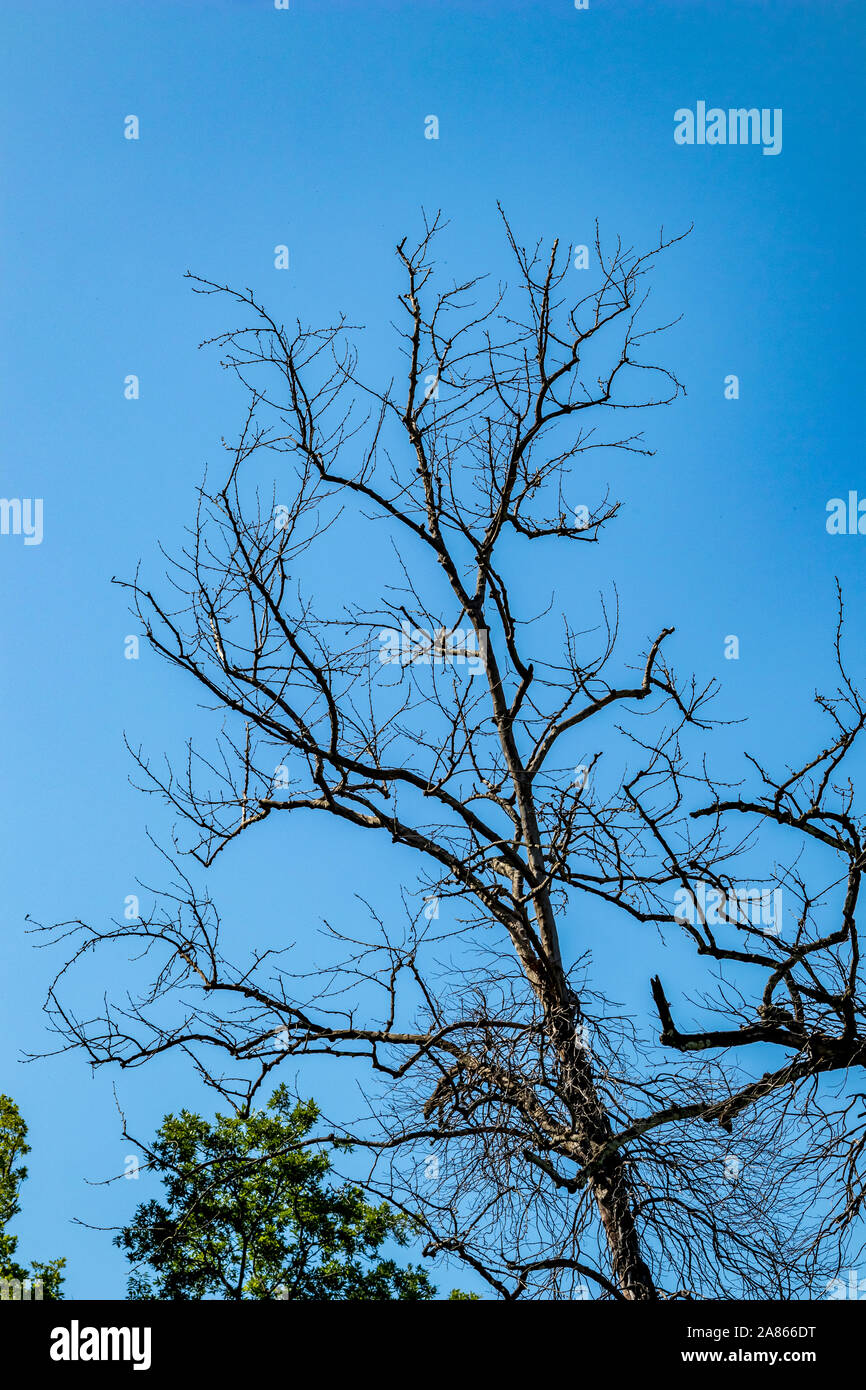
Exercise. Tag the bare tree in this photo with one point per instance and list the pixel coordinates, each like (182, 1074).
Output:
(536, 779)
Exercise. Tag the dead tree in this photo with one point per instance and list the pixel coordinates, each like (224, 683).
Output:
(579, 1151)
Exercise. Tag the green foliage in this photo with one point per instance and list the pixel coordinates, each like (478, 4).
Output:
(13, 1147)
(248, 1214)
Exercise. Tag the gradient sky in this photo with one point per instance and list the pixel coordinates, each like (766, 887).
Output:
(306, 127)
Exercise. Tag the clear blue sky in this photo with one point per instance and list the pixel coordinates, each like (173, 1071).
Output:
(306, 127)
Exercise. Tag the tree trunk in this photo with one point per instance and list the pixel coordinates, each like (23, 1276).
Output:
(609, 1184)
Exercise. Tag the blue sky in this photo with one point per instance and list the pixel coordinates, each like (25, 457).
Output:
(306, 127)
